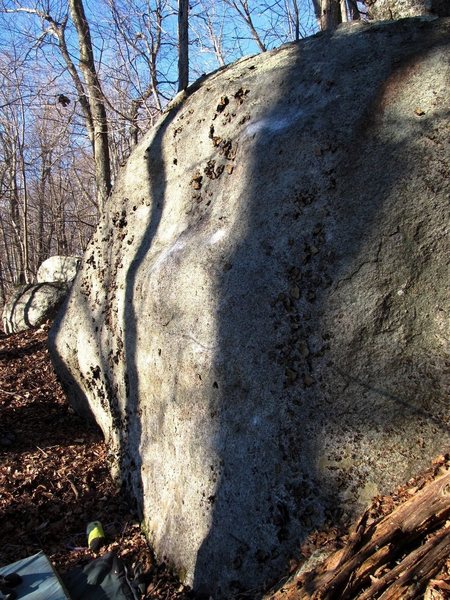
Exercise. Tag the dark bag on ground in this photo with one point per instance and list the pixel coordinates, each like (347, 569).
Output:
(104, 578)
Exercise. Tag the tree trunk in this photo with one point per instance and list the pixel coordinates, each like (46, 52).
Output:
(25, 199)
(96, 102)
(183, 45)
(355, 15)
(2, 287)
(14, 202)
(296, 20)
(59, 32)
(330, 16)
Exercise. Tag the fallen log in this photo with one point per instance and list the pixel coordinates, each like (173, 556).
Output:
(390, 558)
(410, 577)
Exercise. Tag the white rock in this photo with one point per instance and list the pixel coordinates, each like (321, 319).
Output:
(175, 337)
(30, 305)
(58, 268)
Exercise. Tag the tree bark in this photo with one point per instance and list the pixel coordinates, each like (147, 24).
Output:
(183, 44)
(357, 571)
(330, 15)
(96, 102)
(296, 20)
(59, 32)
(355, 15)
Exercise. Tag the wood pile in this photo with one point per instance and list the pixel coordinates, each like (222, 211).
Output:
(395, 556)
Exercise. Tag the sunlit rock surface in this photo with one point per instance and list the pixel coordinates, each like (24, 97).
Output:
(261, 323)
(58, 268)
(32, 304)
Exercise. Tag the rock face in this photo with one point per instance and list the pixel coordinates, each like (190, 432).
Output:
(397, 9)
(32, 304)
(261, 323)
(58, 268)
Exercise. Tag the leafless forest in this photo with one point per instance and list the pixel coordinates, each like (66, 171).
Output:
(82, 81)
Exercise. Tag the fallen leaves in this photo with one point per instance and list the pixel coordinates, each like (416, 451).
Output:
(54, 480)
(53, 473)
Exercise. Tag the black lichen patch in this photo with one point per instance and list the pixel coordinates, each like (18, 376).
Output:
(119, 219)
(223, 103)
(196, 181)
(241, 95)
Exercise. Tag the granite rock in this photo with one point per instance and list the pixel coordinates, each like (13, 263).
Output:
(261, 321)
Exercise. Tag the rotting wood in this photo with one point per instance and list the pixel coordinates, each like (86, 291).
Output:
(387, 556)
(409, 578)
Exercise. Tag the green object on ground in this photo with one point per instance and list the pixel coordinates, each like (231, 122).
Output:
(96, 535)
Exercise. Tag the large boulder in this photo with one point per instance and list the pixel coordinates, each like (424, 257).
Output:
(58, 268)
(32, 304)
(261, 322)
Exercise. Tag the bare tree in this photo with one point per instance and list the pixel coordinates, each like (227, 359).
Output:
(183, 44)
(287, 20)
(96, 102)
(212, 41)
(215, 37)
(269, 23)
(137, 31)
(14, 188)
(43, 209)
(86, 83)
(245, 12)
(328, 13)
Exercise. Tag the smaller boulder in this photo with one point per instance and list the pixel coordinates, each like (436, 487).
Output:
(32, 304)
(58, 269)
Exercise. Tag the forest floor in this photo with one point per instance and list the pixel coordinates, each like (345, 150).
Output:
(54, 480)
